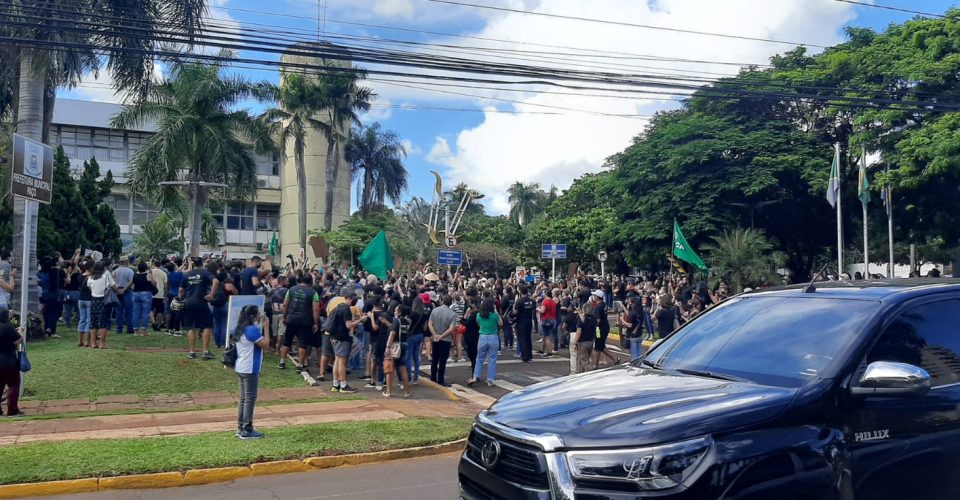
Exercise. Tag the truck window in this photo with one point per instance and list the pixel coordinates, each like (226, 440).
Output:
(778, 341)
(928, 336)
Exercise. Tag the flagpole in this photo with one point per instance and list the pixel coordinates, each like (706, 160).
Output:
(839, 217)
(890, 224)
(866, 254)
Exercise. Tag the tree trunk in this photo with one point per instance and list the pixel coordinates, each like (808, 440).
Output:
(49, 100)
(301, 190)
(331, 182)
(366, 198)
(29, 125)
(198, 199)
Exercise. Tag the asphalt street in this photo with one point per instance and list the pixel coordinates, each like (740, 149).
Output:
(430, 478)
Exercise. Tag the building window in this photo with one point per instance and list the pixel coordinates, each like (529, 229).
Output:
(143, 212)
(240, 216)
(268, 217)
(268, 165)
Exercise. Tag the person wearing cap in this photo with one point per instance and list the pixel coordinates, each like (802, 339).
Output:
(599, 305)
(123, 277)
(342, 319)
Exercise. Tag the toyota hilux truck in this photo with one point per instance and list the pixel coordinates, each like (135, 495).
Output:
(846, 390)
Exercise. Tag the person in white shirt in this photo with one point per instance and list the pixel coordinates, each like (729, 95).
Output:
(99, 282)
(251, 337)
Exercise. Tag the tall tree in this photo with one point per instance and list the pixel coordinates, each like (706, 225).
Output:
(343, 100)
(376, 159)
(57, 47)
(300, 99)
(525, 200)
(742, 257)
(200, 138)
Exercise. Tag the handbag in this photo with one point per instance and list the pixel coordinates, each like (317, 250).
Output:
(110, 297)
(25, 365)
(230, 355)
(395, 351)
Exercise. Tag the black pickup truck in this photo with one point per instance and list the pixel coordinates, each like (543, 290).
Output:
(842, 391)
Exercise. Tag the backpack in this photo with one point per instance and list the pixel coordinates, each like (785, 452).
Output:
(331, 325)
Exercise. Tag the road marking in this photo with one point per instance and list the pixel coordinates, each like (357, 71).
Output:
(472, 395)
(510, 386)
(427, 368)
(539, 378)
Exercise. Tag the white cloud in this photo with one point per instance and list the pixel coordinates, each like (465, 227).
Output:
(394, 8)
(101, 88)
(381, 109)
(410, 148)
(555, 149)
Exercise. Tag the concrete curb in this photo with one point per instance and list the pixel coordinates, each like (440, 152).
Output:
(445, 390)
(220, 474)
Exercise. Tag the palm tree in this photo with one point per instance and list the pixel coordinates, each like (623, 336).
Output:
(376, 159)
(300, 100)
(742, 256)
(343, 100)
(200, 138)
(415, 217)
(474, 207)
(525, 200)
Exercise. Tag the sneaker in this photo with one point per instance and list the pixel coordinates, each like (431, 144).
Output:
(347, 390)
(334, 389)
(379, 387)
(283, 366)
(490, 383)
(251, 435)
(365, 377)
(370, 385)
(17, 414)
(207, 355)
(402, 388)
(192, 355)
(55, 336)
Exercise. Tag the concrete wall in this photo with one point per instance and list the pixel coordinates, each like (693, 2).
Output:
(315, 158)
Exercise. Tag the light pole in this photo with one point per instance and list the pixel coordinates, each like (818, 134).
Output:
(198, 190)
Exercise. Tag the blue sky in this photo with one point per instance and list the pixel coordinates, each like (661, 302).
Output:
(490, 150)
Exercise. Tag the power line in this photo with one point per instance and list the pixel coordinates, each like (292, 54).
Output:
(622, 23)
(889, 7)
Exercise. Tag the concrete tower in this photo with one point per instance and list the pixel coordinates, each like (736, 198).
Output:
(315, 161)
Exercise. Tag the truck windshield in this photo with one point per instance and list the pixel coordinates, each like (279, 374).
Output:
(777, 341)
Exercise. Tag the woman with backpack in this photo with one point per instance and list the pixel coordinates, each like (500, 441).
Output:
(251, 338)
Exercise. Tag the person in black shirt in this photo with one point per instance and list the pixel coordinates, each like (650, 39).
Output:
(506, 309)
(583, 338)
(603, 323)
(9, 363)
(301, 315)
(634, 322)
(524, 310)
(471, 337)
(198, 288)
(400, 330)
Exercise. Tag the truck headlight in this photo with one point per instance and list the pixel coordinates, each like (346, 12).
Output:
(652, 468)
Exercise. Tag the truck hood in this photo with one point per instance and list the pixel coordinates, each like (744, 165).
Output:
(631, 406)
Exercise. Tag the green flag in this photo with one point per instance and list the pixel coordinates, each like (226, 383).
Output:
(274, 244)
(377, 259)
(682, 249)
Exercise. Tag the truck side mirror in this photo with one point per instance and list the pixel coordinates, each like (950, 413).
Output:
(891, 379)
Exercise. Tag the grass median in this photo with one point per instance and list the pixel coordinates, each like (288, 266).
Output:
(115, 457)
(142, 366)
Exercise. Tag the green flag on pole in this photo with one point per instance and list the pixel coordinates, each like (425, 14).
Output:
(377, 259)
(274, 244)
(683, 250)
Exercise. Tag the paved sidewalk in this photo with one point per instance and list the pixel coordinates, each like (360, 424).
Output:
(202, 421)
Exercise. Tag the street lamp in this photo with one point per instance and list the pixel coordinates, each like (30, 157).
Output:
(197, 187)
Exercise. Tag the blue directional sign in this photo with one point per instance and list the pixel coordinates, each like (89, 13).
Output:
(450, 257)
(554, 251)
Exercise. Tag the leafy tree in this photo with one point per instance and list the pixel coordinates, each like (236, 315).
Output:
(525, 200)
(376, 158)
(343, 99)
(198, 132)
(742, 257)
(300, 100)
(158, 237)
(349, 240)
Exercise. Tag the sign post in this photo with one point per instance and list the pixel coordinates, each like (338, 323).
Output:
(32, 179)
(553, 251)
(602, 257)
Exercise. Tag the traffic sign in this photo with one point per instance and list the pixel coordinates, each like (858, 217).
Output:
(451, 241)
(553, 251)
(602, 256)
(450, 257)
(32, 170)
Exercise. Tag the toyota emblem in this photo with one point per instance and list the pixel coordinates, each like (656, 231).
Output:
(490, 453)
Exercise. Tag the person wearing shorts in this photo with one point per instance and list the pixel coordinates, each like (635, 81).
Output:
(599, 306)
(199, 285)
(301, 314)
(340, 340)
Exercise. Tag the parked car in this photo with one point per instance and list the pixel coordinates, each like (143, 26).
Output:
(847, 390)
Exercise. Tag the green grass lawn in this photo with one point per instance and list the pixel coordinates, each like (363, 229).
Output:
(63, 371)
(79, 459)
